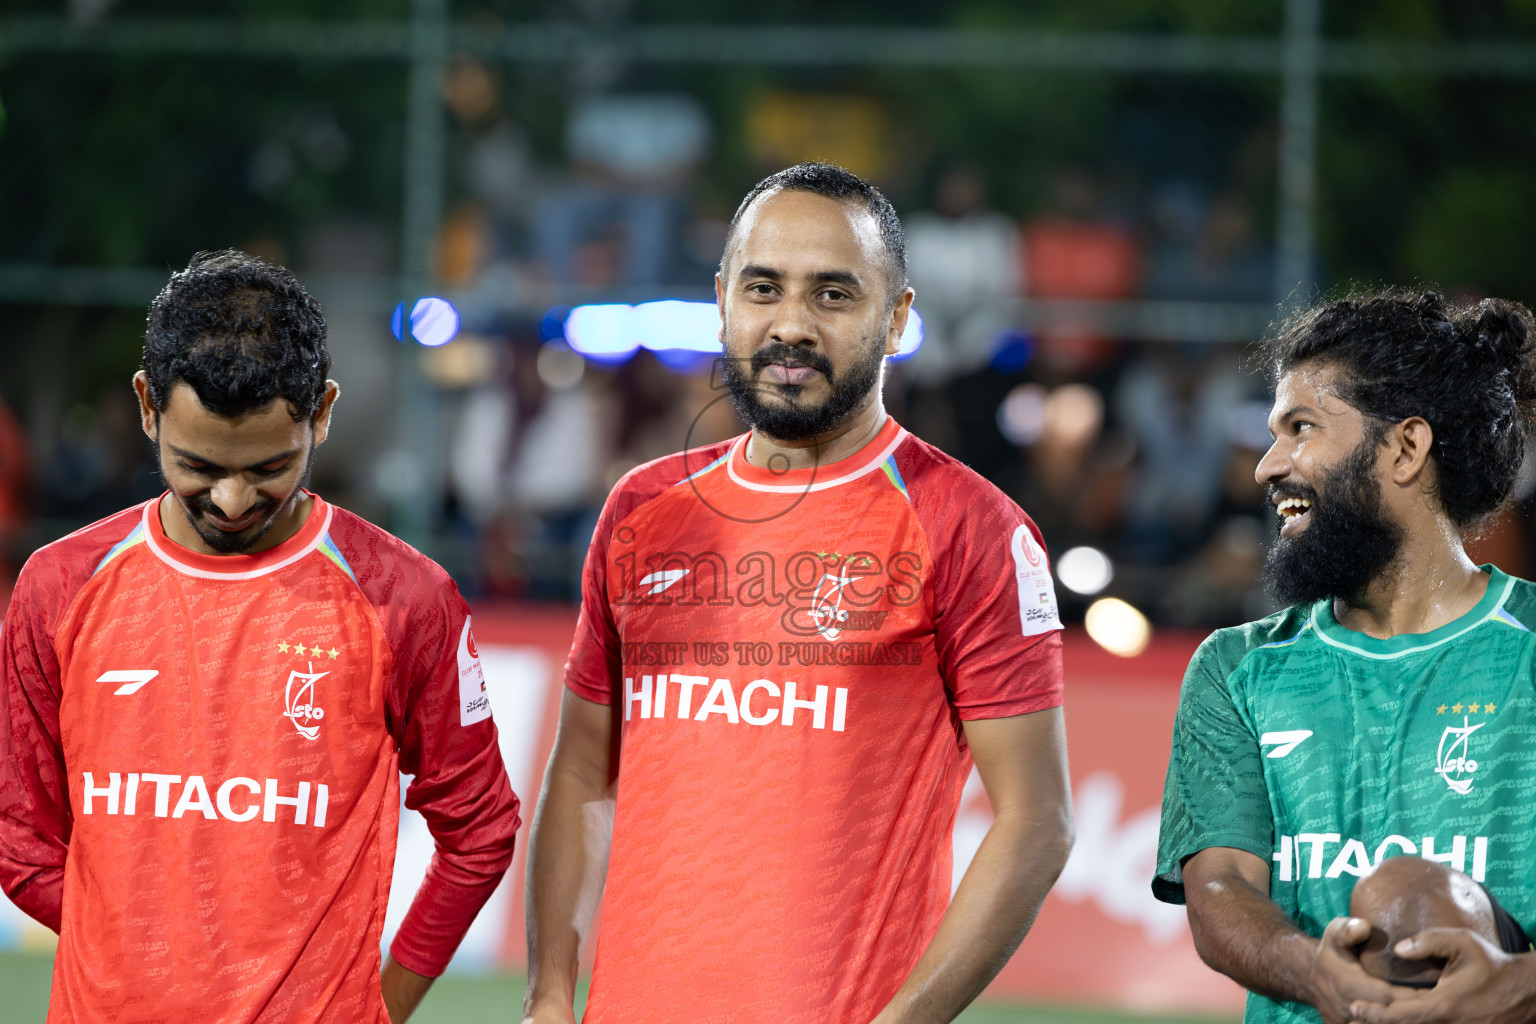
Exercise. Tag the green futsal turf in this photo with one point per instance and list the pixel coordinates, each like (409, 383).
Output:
(457, 999)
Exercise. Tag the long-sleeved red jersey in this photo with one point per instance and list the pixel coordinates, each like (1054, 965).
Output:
(199, 765)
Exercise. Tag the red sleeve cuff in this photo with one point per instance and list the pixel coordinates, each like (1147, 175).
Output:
(439, 917)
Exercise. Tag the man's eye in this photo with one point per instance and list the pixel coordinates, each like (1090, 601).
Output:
(833, 295)
(199, 469)
(271, 470)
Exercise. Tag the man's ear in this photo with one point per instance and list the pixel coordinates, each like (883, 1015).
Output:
(897, 325)
(1411, 441)
(322, 417)
(149, 417)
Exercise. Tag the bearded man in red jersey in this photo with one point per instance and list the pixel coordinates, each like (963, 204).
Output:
(206, 702)
(792, 648)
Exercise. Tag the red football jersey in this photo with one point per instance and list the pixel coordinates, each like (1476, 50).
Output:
(199, 769)
(789, 655)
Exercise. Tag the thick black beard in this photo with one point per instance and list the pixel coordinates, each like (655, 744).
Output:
(1348, 545)
(239, 543)
(789, 420)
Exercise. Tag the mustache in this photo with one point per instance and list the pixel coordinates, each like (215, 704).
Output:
(783, 354)
(203, 504)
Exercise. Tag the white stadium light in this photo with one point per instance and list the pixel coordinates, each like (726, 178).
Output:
(674, 325)
(434, 321)
(1084, 570)
(601, 332)
(1118, 627)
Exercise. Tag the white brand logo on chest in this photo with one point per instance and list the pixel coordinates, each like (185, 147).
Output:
(132, 679)
(299, 701)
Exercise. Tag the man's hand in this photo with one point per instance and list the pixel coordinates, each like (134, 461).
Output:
(550, 1015)
(1481, 984)
(403, 989)
(1336, 980)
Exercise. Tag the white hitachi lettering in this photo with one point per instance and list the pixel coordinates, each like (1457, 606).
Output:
(251, 809)
(1319, 841)
(91, 790)
(759, 703)
(746, 702)
(632, 696)
(195, 798)
(659, 705)
(685, 685)
(721, 701)
(817, 707)
(199, 797)
(300, 803)
(1284, 857)
(163, 784)
(1352, 858)
(1457, 858)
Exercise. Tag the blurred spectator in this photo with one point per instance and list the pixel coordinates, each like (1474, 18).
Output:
(15, 496)
(619, 220)
(1209, 251)
(963, 261)
(1076, 252)
(101, 463)
(1179, 405)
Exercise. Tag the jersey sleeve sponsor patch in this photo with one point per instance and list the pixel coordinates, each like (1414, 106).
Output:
(1037, 593)
(474, 705)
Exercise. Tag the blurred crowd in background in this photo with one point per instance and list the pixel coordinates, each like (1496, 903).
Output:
(606, 182)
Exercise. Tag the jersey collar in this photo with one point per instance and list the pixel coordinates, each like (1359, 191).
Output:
(817, 478)
(236, 567)
(1335, 635)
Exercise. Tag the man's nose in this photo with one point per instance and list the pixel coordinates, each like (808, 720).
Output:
(233, 496)
(1275, 464)
(794, 324)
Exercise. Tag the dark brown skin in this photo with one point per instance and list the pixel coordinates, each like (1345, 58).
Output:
(1022, 763)
(1238, 929)
(1406, 895)
(1240, 932)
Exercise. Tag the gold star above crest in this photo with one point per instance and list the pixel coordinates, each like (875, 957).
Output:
(1488, 708)
(1472, 708)
(1456, 708)
(282, 647)
(333, 652)
(1440, 710)
(299, 648)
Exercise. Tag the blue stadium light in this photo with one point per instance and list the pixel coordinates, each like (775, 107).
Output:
(911, 338)
(434, 322)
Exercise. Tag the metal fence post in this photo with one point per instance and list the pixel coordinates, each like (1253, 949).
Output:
(1298, 150)
(425, 140)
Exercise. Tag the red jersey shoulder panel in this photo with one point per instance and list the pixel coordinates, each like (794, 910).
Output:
(593, 668)
(994, 605)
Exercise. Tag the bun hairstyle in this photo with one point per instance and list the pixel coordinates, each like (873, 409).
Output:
(1468, 369)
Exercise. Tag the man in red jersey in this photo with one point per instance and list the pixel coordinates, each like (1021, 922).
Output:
(206, 702)
(792, 648)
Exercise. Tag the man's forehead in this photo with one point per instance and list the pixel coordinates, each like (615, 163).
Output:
(1313, 385)
(789, 228)
(187, 422)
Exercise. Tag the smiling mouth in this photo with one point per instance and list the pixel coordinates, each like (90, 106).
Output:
(1294, 513)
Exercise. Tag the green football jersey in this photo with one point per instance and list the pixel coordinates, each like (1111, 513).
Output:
(1323, 750)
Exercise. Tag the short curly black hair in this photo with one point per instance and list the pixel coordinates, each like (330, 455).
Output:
(241, 332)
(1469, 369)
(834, 182)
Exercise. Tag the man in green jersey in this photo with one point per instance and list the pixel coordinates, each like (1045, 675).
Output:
(1390, 709)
